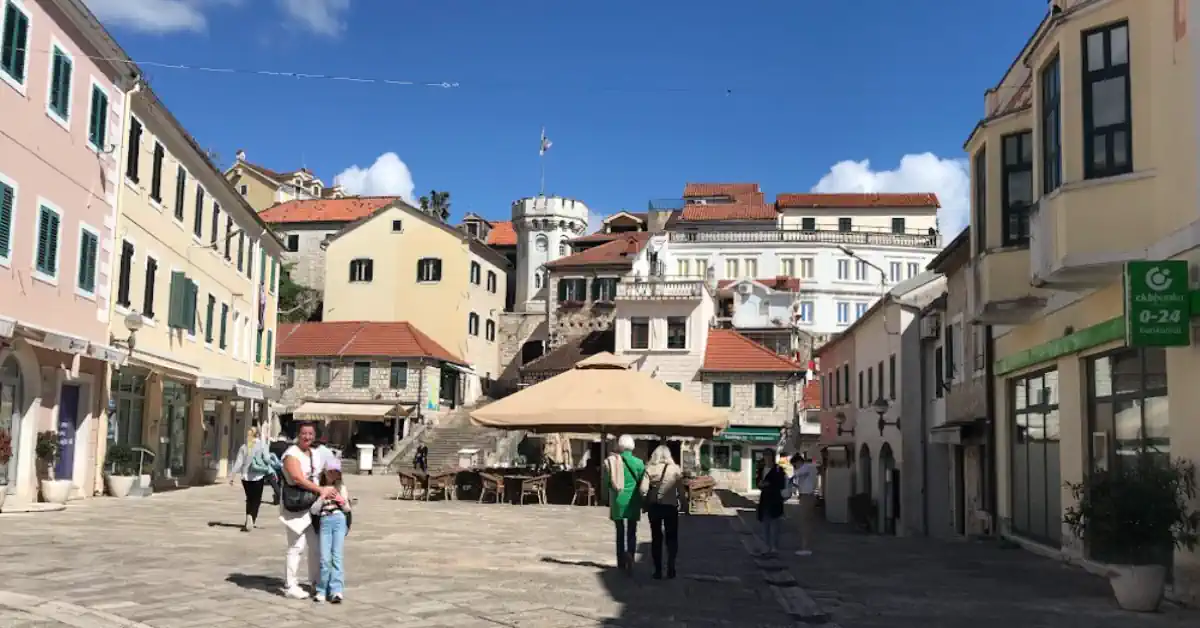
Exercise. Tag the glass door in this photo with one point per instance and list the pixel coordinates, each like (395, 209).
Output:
(10, 417)
(173, 430)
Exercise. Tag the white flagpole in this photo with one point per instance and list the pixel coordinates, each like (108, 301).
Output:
(542, 160)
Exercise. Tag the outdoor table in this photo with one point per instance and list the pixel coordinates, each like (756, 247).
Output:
(411, 480)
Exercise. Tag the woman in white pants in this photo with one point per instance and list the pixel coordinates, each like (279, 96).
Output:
(301, 468)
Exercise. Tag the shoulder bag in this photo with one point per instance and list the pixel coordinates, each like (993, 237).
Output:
(655, 487)
(295, 498)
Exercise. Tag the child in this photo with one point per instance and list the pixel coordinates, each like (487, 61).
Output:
(333, 524)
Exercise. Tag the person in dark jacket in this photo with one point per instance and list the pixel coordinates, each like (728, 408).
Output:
(771, 484)
(277, 448)
(421, 458)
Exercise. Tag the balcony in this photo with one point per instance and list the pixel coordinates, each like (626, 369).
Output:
(656, 288)
(1001, 293)
(912, 239)
(1082, 235)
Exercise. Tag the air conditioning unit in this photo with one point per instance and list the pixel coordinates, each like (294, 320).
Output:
(744, 288)
(931, 326)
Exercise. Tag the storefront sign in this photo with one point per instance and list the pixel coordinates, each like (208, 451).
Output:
(8, 326)
(65, 343)
(1157, 304)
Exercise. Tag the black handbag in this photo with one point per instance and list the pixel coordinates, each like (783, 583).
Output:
(295, 498)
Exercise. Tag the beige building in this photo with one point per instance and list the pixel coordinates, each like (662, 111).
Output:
(195, 287)
(263, 187)
(1086, 159)
(441, 280)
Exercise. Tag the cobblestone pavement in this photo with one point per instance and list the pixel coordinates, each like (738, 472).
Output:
(868, 581)
(177, 560)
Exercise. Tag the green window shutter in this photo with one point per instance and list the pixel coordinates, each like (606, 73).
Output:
(16, 39)
(224, 319)
(193, 294)
(47, 244)
(735, 457)
(208, 319)
(258, 347)
(178, 295)
(96, 119)
(88, 250)
(7, 202)
(52, 253)
(270, 345)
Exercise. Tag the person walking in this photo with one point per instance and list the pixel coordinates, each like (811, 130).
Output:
(804, 482)
(662, 490)
(772, 484)
(421, 457)
(301, 468)
(277, 448)
(252, 464)
(623, 474)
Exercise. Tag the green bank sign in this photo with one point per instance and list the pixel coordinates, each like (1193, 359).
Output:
(1157, 304)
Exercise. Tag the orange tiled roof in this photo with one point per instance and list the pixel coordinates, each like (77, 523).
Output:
(735, 190)
(347, 209)
(858, 200)
(782, 283)
(619, 251)
(729, 351)
(600, 236)
(358, 338)
(812, 395)
(748, 203)
(502, 234)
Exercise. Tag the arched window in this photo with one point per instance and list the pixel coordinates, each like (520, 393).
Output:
(473, 324)
(542, 244)
(429, 269)
(537, 280)
(476, 273)
(490, 330)
(563, 249)
(491, 282)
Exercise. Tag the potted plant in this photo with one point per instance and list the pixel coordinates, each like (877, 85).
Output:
(5, 455)
(1140, 511)
(47, 451)
(121, 471)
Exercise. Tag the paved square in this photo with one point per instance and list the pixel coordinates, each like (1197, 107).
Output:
(177, 560)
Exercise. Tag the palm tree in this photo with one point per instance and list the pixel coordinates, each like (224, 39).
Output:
(437, 204)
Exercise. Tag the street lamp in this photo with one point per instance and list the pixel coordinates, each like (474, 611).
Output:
(883, 277)
(881, 406)
(133, 323)
(841, 421)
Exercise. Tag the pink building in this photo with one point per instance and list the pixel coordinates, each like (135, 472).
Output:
(60, 135)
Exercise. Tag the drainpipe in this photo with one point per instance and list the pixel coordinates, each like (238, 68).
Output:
(990, 457)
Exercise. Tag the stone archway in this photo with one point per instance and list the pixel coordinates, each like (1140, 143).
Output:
(20, 395)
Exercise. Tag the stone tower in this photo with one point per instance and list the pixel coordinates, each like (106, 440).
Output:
(544, 225)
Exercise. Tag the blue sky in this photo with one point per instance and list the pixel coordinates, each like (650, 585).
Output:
(638, 97)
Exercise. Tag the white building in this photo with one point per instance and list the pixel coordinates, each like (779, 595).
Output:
(544, 226)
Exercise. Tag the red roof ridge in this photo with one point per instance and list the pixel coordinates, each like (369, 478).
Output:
(771, 361)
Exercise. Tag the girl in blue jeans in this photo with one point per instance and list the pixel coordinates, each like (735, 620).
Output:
(332, 518)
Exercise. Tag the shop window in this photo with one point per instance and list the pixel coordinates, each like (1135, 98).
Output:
(721, 456)
(1036, 479)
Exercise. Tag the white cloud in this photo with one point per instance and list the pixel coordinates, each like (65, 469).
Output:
(596, 221)
(155, 16)
(388, 176)
(925, 172)
(323, 17)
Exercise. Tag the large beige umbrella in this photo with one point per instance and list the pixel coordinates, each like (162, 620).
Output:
(602, 394)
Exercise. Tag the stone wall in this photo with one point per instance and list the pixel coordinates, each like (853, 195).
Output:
(743, 412)
(515, 329)
(308, 262)
(341, 384)
(566, 323)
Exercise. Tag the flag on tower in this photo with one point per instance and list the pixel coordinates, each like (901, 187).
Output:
(546, 143)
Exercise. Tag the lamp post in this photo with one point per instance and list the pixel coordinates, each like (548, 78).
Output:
(883, 277)
(841, 421)
(133, 323)
(881, 406)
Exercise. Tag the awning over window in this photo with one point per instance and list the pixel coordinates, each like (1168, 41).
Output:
(333, 411)
(751, 434)
(461, 369)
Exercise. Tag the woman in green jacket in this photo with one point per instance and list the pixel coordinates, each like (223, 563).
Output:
(623, 472)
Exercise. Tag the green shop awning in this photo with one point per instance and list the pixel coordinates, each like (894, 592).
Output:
(751, 434)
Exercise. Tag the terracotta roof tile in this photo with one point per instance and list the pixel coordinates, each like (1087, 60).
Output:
(502, 234)
(720, 189)
(359, 338)
(729, 351)
(348, 209)
(783, 283)
(852, 200)
(598, 236)
(696, 212)
(619, 251)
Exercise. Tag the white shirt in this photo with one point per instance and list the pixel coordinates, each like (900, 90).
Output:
(805, 478)
(311, 465)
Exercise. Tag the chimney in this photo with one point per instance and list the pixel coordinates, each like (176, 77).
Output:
(241, 155)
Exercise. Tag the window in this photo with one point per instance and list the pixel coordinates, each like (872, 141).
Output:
(216, 225)
(1051, 128)
(89, 253)
(243, 190)
(1034, 446)
(731, 269)
(241, 251)
(892, 377)
(954, 353)
(1017, 190)
(677, 332)
(806, 268)
(258, 347)
(182, 308)
(806, 311)
(228, 236)
(249, 257)
(429, 269)
(60, 84)
(939, 372)
(124, 272)
(1107, 130)
(274, 284)
(362, 270)
(210, 313)
(845, 383)
(538, 279)
(489, 330)
(324, 374)
(914, 269)
(287, 373)
(8, 205)
(292, 243)
(1128, 408)
(845, 224)
(98, 119)
(473, 324)
(362, 375)
(751, 268)
(133, 158)
(156, 173)
(397, 226)
(563, 249)
(979, 206)
(720, 457)
(861, 396)
(787, 267)
(808, 224)
(898, 225)
(46, 259)
(476, 273)
(675, 385)
(398, 377)
(198, 219)
(870, 385)
(843, 313)
(148, 289)
(860, 309)
(604, 289)
(843, 269)
(896, 272)
(764, 394)
(683, 267)
(860, 270)
(14, 47)
(722, 395)
(491, 282)
(639, 333)
(224, 319)
(572, 290)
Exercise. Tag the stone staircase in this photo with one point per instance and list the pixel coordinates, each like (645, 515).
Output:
(453, 433)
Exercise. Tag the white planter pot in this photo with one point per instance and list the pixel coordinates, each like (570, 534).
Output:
(56, 491)
(1138, 587)
(119, 485)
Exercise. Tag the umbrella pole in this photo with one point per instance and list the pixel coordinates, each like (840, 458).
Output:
(603, 458)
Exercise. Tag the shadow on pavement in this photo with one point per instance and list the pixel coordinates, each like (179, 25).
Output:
(222, 524)
(255, 582)
(735, 501)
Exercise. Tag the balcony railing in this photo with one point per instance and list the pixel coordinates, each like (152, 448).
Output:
(656, 288)
(848, 238)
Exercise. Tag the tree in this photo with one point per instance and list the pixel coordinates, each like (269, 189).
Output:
(297, 304)
(437, 204)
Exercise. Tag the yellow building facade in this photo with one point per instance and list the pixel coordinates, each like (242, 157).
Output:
(1086, 161)
(399, 264)
(195, 293)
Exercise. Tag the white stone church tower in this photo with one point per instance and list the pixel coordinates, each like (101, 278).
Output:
(544, 226)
